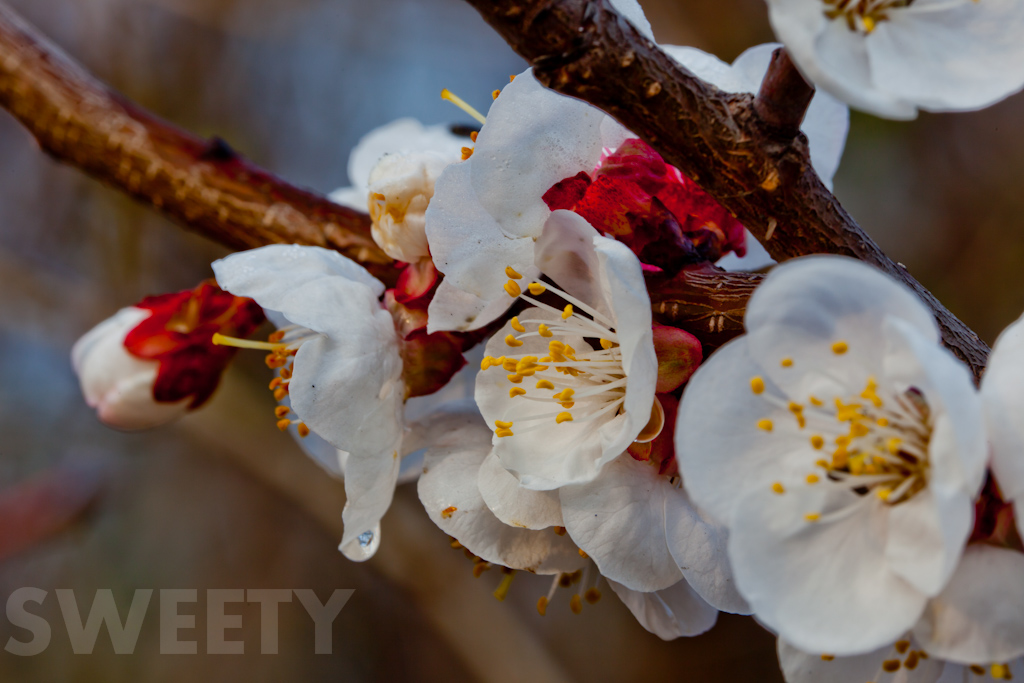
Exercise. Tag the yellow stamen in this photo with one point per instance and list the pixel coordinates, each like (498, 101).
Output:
(536, 288)
(605, 344)
(446, 94)
(812, 516)
(821, 463)
(506, 582)
(592, 595)
(508, 364)
(502, 432)
(544, 331)
(827, 658)
(778, 488)
(516, 325)
(542, 605)
(502, 425)
(281, 411)
(515, 378)
(284, 424)
(467, 152)
(516, 391)
(222, 340)
(882, 422)
(786, 362)
(840, 347)
(1001, 671)
(812, 479)
(494, 94)
(893, 445)
(891, 665)
(583, 554)
(563, 417)
(902, 646)
(757, 385)
(765, 424)
(815, 401)
(567, 312)
(448, 512)
(545, 384)
(512, 289)
(511, 273)
(303, 430)
(869, 24)
(817, 441)
(883, 494)
(512, 341)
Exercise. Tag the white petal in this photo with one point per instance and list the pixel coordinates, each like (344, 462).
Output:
(469, 247)
(1002, 393)
(449, 493)
(347, 384)
(369, 487)
(533, 138)
(454, 309)
(698, 545)
(670, 613)
(619, 520)
(566, 253)
(631, 10)
(833, 57)
(962, 57)
(807, 304)
(823, 586)
(979, 617)
(800, 667)
(714, 445)
(402, 136)
(513, 504)
(271, 274)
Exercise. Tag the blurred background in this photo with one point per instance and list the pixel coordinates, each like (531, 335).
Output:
(294, 84)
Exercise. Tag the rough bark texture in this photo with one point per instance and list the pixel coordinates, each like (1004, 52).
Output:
(201, 184)
(585, 49)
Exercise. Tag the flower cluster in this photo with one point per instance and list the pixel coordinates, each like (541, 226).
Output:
(833, 471)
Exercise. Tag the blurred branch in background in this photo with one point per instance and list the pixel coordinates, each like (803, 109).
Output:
(202, 184)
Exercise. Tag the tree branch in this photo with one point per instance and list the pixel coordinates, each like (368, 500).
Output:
(585, 49)
(201, 184)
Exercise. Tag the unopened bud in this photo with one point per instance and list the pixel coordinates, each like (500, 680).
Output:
(401, 186)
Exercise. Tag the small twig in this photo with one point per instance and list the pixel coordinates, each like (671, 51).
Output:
(585, 49)
(202, 184)
(784, 96)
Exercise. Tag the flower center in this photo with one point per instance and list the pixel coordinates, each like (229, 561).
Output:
(862, 16)
(877, 440)
(282, 345)
(591, 376)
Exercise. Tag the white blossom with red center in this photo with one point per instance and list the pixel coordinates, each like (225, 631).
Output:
(152, 362)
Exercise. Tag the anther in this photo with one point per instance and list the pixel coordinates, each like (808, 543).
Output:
(778, 488)
(559, 530)
(583, 554)
(536, 288)
(303, 430)
(545, 384)
(517, 326)
(567, 312)
(463, 105)
(544, 331)
(467, 152)
(473, 135)
(576, 604)
(494, 94)
(516, 391)
(606, 345)
(512, 341)
(284, 424)
(911, 661)
(840, 347)
(765, 424)
(786, 362)
(891, 665)
(1001, 671)
(817, 441)
(812, 516)
(448, 512)
(757, 385)
(511, 273)
(592, 595)
(563, 417)
(542, 605)
(902, 646)
(827, 658)
(281, 392)
(515, 378)
(275, 383)
(513, 289)
(281, 411)
(812, 479)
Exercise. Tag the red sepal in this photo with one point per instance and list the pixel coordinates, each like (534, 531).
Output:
(179, 334)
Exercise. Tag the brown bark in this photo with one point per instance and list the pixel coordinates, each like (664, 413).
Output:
(585, 49)
(201, 184)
